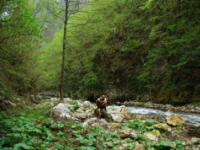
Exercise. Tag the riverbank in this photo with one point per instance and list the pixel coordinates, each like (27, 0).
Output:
(43, 126)
(143, 129)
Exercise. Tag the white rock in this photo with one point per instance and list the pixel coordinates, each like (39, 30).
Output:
(117, 109)
(117, 117)
(62, 109)
(87, 103)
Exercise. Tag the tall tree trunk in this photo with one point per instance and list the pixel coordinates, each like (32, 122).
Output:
(63, 52)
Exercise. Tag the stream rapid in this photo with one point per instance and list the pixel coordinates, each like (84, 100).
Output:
(190, 118)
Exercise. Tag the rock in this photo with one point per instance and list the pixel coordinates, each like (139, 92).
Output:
(129, 133)
(117, 109)
(18, 100)
(128, 116)
(175, 120)
(10, 103)
(195, 140)
(163, 127)
(117, 117)
(87, 103)
(153, 135)
(139, 147)
(115, 125)
(118, 113)
(83, 115)
(67, 100)
(95, 122)
(61, 110)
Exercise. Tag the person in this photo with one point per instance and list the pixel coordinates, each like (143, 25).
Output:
(101, 111)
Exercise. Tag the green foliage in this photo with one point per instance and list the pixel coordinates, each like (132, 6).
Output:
(131, 48)
(141, 125)
(20, 32)
(23, 132)
(148, 47)
(166, 144)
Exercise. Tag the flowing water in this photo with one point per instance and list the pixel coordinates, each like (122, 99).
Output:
(190, 118)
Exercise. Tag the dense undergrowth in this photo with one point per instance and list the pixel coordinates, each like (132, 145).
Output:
(33, 129)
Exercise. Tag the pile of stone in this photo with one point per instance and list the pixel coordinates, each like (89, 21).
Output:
(84, 111)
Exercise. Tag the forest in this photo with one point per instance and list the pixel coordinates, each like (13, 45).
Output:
(128, 49)
(141, 53)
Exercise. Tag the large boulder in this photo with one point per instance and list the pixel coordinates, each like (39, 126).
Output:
(61, 110)
(175, 120)
(118, 113)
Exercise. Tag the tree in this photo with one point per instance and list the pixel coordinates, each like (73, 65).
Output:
(63, 52)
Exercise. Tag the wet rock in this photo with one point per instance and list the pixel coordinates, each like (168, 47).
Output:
(175, 120)
(153, 135)
(163, 127)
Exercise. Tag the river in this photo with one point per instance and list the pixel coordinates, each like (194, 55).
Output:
(190, 118)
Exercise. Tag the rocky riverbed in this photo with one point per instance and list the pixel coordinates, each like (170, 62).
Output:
(193, 108)
(132, 125)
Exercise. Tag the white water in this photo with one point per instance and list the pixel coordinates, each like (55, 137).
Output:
(190, 118)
